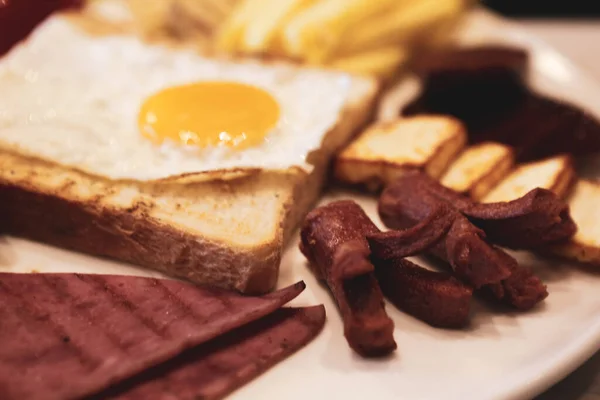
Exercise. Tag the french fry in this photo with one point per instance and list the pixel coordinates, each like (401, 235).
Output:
(401, 25)
(314, 32)
(381, 62)
(230, 34)
(260, 34)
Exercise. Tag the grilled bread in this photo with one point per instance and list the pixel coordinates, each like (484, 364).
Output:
(227, 231)
(556, 174)
(583, 204)
(385, 150)
(478, 169)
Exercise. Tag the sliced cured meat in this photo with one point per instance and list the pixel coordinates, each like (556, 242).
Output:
(436, 298)
(214, 369)
(333, 239)
(97, 330)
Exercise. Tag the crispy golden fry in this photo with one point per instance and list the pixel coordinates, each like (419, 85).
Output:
(314, 32)
(260, 34)
(381, 62)
(402, 25)
(231, 32)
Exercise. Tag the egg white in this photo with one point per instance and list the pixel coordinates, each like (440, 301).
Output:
(73, 99)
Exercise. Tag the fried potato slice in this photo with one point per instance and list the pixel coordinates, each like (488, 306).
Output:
(386, 150)
(314, 33)
(556, 174)
(478, 169)
(583, 204)
(262, 32)
(400, 25)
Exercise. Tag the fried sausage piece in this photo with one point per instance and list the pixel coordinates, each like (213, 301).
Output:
(538, 219)
(436, 298)
(333, 239)
(402, 206)
(407, 202)
(397, 244)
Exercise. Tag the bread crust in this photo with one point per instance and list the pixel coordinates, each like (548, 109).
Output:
(133, 235)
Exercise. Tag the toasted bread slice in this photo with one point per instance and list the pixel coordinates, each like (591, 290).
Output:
(478, 169)
(385, 150)
(556, 174)
(228, 231)
(583, 204)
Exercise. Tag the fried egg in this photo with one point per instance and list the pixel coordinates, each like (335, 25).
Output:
(116, 107)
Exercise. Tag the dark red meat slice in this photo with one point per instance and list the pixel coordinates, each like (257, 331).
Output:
(97, 330)
(214, 369)
(436, 298)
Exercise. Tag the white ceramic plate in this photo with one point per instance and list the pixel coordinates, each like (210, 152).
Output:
(501, 356)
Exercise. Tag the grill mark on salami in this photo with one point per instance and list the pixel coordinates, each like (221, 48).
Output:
(214, 369)
(120, 299)
(57, 325)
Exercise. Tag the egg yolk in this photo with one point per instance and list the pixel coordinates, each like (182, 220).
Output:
(209, 114)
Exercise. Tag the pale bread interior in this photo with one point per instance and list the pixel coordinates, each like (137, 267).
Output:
(584, 204)
(229, 231)
(555, 174)
(384, 150)
(478, 169)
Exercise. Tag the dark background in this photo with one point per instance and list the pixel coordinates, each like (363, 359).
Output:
(546, 8)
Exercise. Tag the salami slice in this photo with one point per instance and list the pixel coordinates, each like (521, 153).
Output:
(215, 369)
(65, 336)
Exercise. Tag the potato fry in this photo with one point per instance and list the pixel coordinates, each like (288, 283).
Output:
(230, 34)
(260, 34)
(382, 62)
(314, 32)
(401, 25)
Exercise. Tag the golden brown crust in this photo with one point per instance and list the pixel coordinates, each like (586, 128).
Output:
(91, 224)
(373, 173)
(130, 235)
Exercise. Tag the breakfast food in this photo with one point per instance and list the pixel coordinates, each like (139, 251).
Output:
(436, 298)
(99, 330)
(531, 221)
(215, 369)
(385, 151)
(478, 169)
(362, 36)
(202, 171)
(484, 87)
(583, 204)
(333, 239)
(407, 202)
(398, 244)
(556, 174)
